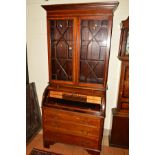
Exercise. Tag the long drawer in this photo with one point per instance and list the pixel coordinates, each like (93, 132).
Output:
(71, 128)
(71, 116)
(75, 140)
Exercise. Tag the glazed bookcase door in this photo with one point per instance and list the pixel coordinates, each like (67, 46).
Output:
(61, 49)
(93, 50)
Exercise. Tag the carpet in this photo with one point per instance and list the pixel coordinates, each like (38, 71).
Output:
(41, 152)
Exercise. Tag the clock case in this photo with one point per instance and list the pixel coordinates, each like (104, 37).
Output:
(119, 135)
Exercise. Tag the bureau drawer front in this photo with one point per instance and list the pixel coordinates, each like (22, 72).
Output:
(71, 116)
(71, 128)
(74, 140)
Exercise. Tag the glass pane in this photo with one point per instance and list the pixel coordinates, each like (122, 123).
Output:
(125, 93)
(94, 35)
(61, 49)
(127, 45)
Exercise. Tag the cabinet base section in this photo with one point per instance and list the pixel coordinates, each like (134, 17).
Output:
(72, 127)
(119, 136)
(117, 144)
(50, 139)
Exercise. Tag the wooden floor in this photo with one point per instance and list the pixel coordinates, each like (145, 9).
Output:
(37, 142)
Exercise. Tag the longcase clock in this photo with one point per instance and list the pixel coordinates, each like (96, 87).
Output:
(120, 123)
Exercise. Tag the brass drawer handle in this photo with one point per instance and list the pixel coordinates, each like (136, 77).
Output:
(84, 132)
(82, 121)
(77, 118)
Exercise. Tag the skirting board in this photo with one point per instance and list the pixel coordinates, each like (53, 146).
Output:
(106, 132)
(105, 139)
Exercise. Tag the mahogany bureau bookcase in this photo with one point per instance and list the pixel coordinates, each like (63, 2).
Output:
(74, 102)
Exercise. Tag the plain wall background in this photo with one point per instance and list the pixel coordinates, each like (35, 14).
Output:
(36, 39)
